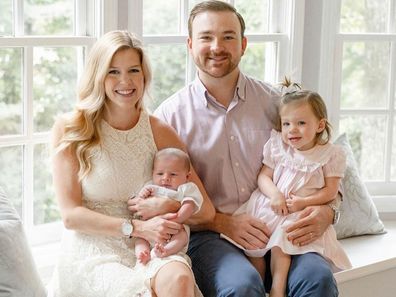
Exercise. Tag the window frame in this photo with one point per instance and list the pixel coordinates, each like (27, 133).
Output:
(288, 17)
(331, 51)
(92, 19)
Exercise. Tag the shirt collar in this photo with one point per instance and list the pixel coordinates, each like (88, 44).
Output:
(240, 90)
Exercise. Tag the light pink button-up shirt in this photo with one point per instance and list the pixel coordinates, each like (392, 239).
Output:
(225, 144)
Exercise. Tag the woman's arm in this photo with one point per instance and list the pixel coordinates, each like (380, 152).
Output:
(164, 137)
(75, 216)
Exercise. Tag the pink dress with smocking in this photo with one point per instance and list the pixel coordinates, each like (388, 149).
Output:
(300, 173)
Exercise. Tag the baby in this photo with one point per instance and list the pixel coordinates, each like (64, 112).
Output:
(171, 172)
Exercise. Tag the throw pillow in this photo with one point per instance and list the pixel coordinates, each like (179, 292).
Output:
(18, 274)
(358, 213)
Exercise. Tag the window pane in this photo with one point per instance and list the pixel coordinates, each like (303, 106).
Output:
(49, 17)
(54, 84)
(169, 69)
(11, 174)
(365, 73)
(367, 136)
(160, 17)
(11, 108)
(363, 16)
(6, 17)
(259, 61)
(255, 13)
(45, 206)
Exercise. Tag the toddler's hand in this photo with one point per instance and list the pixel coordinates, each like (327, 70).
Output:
(295, 203)
(278, 205)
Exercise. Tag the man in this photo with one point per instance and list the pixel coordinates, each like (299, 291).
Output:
(225, 118)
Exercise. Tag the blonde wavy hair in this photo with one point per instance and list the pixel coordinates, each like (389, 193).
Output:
(82, 128)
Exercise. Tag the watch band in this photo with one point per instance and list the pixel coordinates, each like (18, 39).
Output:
(336, 210)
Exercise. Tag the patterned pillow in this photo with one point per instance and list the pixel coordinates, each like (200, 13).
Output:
(358, 213)
(18, 274)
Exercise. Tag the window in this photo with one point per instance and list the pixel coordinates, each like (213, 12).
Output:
(271, 26)
(42, 49)
(363, 67)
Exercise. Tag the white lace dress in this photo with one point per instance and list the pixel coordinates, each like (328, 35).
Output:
(101, 266)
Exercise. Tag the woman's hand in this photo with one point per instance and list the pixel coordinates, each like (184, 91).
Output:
(151, 207)
(158, 229)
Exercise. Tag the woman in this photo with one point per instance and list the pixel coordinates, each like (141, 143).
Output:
(103, 154)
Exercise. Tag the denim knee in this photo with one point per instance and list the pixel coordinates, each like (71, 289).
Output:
(310, 275)
(248, 285)
(221, 269)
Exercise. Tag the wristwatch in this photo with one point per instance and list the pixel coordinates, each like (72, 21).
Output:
(336, 210)
(127, 228)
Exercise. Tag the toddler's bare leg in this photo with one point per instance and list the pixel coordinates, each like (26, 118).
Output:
(280, 264)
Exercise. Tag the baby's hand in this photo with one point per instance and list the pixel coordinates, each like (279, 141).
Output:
(144, 257)
(159, 251)
(278, 205)
(295, 203)
(146, 192)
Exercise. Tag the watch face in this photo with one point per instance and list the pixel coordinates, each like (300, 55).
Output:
(126, 228)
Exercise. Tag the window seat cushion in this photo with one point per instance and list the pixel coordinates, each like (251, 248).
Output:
(18, 274)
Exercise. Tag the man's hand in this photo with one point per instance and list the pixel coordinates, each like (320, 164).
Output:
(151, 207)
(312, 223)
(244, 229)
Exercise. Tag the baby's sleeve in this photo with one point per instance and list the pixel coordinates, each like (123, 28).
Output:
(336, 165)
(190, 192)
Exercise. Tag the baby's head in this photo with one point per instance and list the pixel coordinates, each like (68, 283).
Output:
(303, 117)
(171, 168)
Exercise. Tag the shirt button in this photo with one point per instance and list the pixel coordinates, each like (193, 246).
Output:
(232, 137)
(236, 164)
(242, 190)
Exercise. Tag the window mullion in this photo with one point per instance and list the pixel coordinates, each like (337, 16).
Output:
(330, 29)
(18, 18)
(391, 17)
(28, 131)
(135, 19)
(391, 118)
(80, 25)
(333, 99)
(184, 14)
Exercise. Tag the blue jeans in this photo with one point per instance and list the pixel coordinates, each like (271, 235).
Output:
(221, 270)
